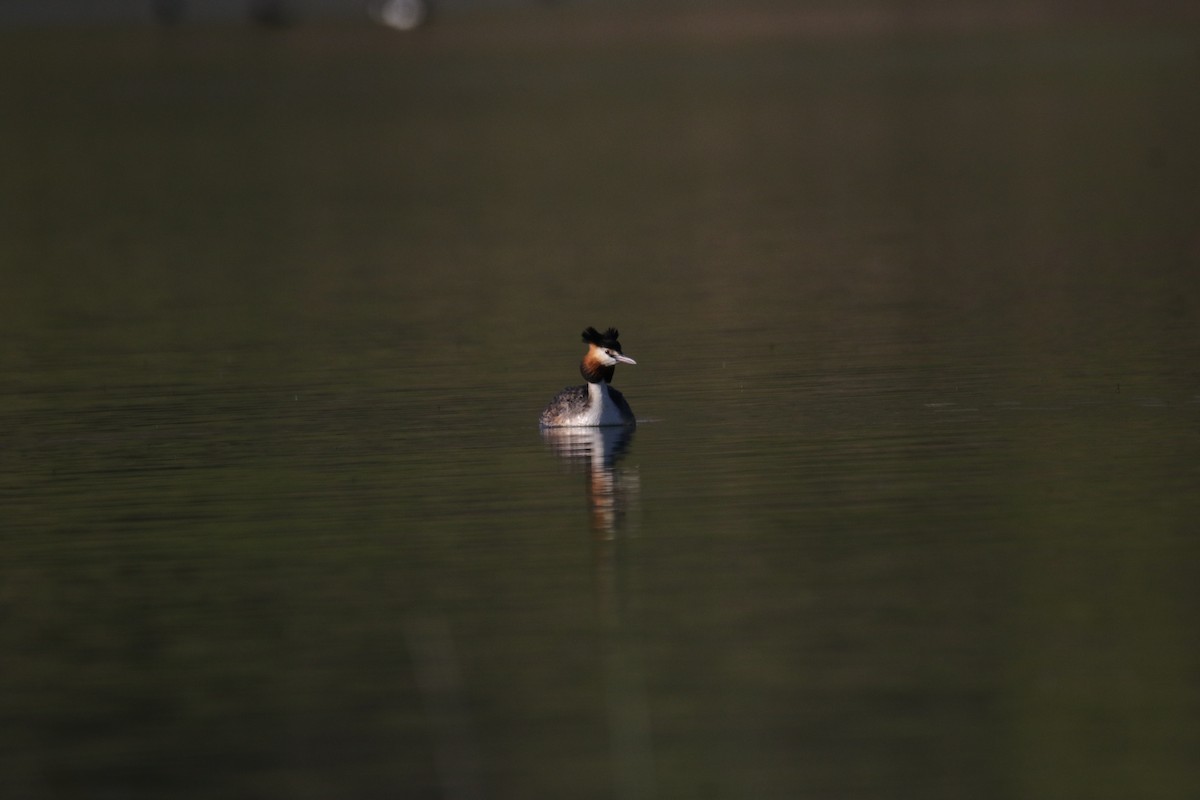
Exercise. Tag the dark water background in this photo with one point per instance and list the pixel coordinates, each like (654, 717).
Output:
(912, 511)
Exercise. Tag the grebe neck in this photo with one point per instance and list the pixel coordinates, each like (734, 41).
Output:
(594, 372)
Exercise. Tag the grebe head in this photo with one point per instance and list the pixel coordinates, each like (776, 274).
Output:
(603, 355)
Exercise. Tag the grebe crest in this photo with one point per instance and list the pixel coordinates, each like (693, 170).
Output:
(595, 403)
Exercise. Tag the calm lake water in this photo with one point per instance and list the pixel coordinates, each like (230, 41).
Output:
(911, 511)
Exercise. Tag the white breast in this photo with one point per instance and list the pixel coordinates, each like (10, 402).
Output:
(601, 410)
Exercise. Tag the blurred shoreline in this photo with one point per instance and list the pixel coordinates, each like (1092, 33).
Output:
(602, 19)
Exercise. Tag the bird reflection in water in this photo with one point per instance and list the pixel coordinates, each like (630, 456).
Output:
(598, 451)
(610, 493)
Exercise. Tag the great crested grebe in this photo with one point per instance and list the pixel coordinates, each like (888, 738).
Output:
(596, 403)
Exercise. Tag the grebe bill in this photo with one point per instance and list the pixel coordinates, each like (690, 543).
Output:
(595, 403)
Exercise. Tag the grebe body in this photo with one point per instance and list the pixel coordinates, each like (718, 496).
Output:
(594, 404)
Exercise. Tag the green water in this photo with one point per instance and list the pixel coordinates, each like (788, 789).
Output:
(911, 511)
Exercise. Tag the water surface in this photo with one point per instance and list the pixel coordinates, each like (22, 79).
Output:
(910, 512)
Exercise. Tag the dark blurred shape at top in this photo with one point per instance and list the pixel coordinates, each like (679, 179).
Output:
(270, 13)
(168, 12)
(267, 13)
